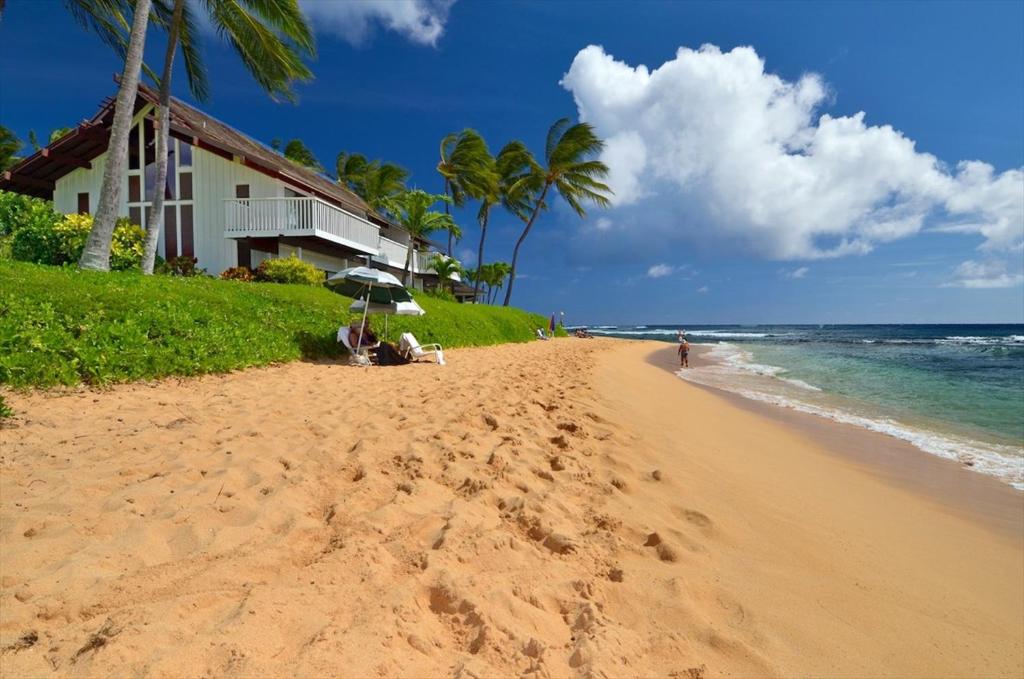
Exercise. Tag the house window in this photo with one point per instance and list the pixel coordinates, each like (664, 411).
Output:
(178, 227)
(83, 203)
(242, 191)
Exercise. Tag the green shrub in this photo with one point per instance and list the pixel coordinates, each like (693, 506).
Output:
(289, 270)
(126, 246)
(182, 265)
(237, 273)
(18, 211)
(62, 242)
(5, 410)
(60, 325)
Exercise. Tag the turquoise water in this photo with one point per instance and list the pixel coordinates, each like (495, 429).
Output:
(953, 390)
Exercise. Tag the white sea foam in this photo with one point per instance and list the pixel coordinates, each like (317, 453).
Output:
(730, 363)
(612, 331)
(725, 334)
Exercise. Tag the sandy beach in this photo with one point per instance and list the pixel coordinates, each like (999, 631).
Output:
(556, 509)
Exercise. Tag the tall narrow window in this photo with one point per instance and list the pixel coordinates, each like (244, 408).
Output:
(83, 203)
(170, 231)
(186, 154)
(133, 149)
(134, 188)
(188, 246)
(185, 186)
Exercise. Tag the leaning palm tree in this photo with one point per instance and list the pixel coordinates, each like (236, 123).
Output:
(351, 170)
(467, 168)
(269, 37)
(570, 169)
(514, 161)
(96, 254)
(411, 209)
(381, 182)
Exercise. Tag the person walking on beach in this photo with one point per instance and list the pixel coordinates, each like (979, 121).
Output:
(684, 353)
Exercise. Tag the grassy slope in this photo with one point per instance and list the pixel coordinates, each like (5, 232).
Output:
(64, 326)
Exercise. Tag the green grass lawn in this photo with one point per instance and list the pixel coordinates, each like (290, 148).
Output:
(65, 326)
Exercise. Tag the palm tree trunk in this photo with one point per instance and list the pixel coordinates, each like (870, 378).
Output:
(96, 254)
(408, 264)
(526, 232)
(156, 213)
(480, 252)
(448, 211)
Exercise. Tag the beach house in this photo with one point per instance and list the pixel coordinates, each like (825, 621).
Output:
(228, 200)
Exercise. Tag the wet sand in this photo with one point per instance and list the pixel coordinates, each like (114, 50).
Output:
(557, 509)
(946, 482)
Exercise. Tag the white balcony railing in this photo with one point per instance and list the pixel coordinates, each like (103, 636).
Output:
(300, 216)
(394, 253)
(303, 216)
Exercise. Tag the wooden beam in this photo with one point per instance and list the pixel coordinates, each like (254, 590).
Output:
(29, 181)
(66, 159)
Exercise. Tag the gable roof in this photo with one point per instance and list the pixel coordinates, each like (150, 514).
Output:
(37, 174)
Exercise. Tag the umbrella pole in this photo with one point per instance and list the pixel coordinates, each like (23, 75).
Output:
(366, 307)
(385, 327)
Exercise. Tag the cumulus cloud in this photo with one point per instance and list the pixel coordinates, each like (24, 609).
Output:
(799, 272)
(660, 271)
(711, 147)
(703, 289)
(421, 21)
(987, 274)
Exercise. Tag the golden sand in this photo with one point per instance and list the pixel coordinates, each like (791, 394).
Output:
(557, 509)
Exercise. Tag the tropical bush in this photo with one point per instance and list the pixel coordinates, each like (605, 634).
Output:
(182, 265)
(288, 270)
(60, 325)
(238, 273)
(42, 236)
(18, 211)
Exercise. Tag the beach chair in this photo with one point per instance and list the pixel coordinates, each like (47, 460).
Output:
(362, 357)
(413, 350)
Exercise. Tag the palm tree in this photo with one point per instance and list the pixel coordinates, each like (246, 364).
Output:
(568, 169)
(297, 152)
(9, 146)
(467, 168)
(381, 182)
(96, 254)
(269, 37)
(444, 267)
(411, 209)
(495, 278)
(351, 170)
(375, 181)
(514, 161)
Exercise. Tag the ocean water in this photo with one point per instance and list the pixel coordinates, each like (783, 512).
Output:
(956, 391)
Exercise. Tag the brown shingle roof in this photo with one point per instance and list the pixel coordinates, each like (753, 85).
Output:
(37, 174)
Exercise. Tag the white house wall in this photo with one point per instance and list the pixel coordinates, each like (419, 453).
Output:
(213, 180)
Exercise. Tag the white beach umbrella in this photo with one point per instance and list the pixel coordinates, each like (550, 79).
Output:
(410, 308)
(371, 286)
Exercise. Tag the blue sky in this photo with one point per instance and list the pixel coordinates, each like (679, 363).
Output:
(736, 202)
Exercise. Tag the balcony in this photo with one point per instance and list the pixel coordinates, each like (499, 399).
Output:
(301, 216)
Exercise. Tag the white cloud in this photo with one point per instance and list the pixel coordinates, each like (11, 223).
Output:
(987, 274)
(421, 21)
(603, 224)
(709, 147)
(800, 272)
(703, 289)
(660, 271)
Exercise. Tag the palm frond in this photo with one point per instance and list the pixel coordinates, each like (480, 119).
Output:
(554, 137)
(272, 59)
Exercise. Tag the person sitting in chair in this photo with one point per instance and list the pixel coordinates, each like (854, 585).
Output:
(368, 338)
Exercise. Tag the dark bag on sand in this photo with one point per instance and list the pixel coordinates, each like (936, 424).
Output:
(387, 354)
